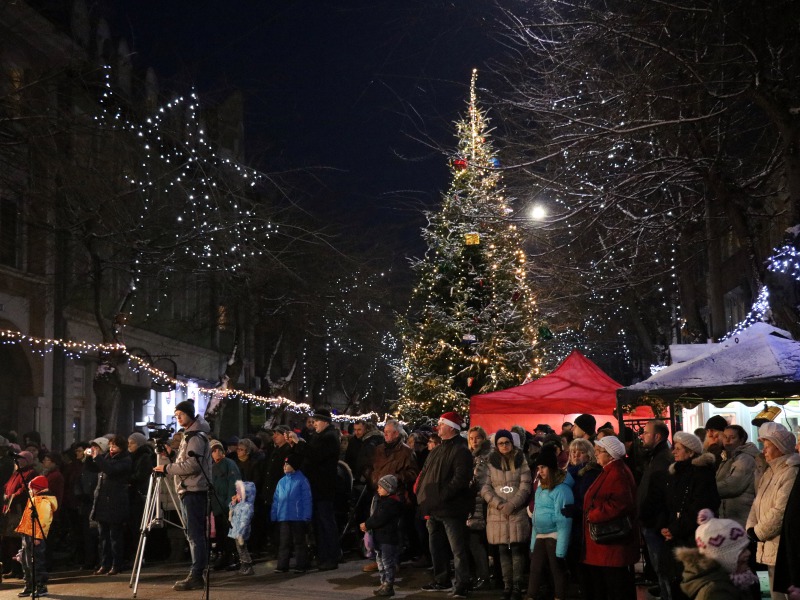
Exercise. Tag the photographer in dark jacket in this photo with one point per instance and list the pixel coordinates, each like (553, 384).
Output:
(443, 494)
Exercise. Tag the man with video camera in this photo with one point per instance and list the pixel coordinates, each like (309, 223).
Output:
(192, 460)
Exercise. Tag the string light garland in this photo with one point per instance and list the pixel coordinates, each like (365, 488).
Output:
(81, 348)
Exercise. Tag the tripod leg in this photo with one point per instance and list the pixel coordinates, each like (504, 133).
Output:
(150, 509)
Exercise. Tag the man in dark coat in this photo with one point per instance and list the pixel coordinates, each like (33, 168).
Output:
(651, 495)
(443, 494)
(319, 466)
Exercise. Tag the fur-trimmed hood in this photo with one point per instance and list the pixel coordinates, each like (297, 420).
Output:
(483, 450)
(703, 577)
(706, 459)
(495, 459)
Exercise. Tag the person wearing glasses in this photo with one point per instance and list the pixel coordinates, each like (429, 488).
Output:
(506, 489)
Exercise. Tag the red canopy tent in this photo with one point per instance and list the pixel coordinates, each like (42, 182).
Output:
(577, 386)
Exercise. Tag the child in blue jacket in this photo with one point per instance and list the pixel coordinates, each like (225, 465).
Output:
(291, 509)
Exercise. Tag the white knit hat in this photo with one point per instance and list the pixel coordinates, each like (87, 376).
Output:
(720, 539)
(778, 435)
(101, 443)
(689, 441)
(612, 445)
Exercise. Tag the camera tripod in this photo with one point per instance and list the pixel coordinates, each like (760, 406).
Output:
(153, 518)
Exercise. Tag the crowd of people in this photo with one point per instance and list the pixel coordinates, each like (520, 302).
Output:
(533, 515)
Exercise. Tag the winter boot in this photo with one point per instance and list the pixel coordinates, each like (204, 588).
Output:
(27, 591)
(385, 591)
(247, 569)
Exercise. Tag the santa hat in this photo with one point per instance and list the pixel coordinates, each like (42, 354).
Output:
(720, 539)
(453, 419)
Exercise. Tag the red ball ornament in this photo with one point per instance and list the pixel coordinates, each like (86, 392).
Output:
(459, 164)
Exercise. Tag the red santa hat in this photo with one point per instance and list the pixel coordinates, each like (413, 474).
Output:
(453, 419)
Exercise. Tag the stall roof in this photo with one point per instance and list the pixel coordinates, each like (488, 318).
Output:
(760, 362)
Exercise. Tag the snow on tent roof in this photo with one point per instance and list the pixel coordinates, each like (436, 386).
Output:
(760, 362)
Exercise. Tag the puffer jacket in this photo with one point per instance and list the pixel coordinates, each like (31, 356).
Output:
(547, 515)
(766, 515)
(46, 506)
(705, 579)
(292, 498)
(507, 486)
(736, 483)
(241, 514)
(186, 469)
(384, 519)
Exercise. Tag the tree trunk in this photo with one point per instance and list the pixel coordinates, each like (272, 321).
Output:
(716, 300)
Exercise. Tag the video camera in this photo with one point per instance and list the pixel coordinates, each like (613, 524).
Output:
(161, 435)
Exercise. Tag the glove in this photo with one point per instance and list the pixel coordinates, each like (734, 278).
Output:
(569, 511)
(507, 509)
(751, 533)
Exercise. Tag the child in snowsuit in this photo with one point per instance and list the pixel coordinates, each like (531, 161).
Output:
(384, 523)
(242, 508)
(717, 567)
(291, 509)
(34, 536)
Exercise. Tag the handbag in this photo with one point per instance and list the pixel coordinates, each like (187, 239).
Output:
(611, 532)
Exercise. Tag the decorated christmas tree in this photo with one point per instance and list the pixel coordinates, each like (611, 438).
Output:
(471, 325)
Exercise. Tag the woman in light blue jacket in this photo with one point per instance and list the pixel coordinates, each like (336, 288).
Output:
(551, 529)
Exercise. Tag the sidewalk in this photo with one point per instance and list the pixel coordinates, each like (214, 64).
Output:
(347, 582)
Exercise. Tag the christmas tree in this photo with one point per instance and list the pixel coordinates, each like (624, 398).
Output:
(471, 325)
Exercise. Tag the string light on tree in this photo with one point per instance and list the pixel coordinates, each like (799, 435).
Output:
(470, 327)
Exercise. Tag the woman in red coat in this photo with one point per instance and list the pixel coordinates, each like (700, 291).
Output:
(612, 495)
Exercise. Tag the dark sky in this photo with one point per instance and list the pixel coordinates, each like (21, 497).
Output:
(338, 88)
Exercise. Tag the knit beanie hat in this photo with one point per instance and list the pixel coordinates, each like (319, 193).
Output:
(453, 419)
(587, 423)
(612, 445)
(778, 435)
(187, 406)
(295, 461)
(717, 423)
(548, 457)
(720, 539)
(216, 444)
(39, 484)
(689, 441)
(503, 433)
(25, 458)
(389, 483)
(101, 443)
(137, 438)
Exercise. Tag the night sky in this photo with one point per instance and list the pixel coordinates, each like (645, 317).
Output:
(356, 94)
